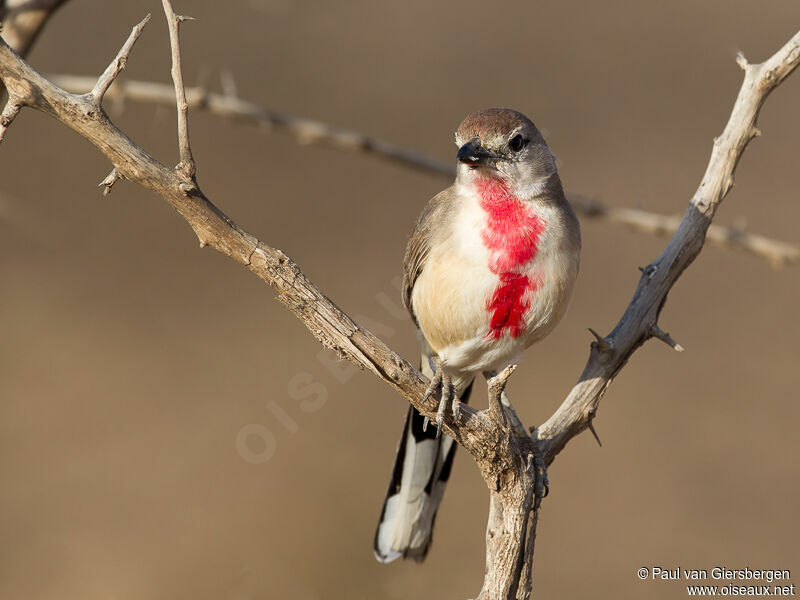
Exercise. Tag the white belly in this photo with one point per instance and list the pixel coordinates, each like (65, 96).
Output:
(456, 302)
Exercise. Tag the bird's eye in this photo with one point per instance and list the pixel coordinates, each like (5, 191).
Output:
(517, 143)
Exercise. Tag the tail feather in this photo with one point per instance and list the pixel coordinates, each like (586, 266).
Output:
(421, 470)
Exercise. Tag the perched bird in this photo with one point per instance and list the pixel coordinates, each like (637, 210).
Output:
(488, 271)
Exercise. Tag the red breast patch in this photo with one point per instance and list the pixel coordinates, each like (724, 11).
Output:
(512, 237)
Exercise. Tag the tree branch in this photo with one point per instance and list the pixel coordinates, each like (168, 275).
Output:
(310, 132)
(22, 22)
(640, 321)
(504, 451)
(776, 253)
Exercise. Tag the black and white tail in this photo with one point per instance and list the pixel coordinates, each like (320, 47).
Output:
(421, 470)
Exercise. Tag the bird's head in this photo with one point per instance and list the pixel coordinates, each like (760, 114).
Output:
(500, 143)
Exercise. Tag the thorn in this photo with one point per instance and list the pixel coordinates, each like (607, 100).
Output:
(182, 18)
(602, 343)
(742, 61)
(425, 422)
(755, 132)
(594, 432)
(657, 332)
(203, 244)
(109, 181)
(641, 269)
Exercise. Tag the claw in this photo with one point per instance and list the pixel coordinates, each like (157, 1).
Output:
(443, 383)
(447, 393)
(456, 408)
(436, 383)
(542, 486)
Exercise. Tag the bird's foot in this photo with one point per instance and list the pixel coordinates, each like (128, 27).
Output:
(541, 487)
(447, 393)
(441, 382)
(456, 407)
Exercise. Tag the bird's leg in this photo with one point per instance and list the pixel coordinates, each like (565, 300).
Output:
(447, 393)
(436, 380)
(433, 386)
(542, 484)
(443, 383)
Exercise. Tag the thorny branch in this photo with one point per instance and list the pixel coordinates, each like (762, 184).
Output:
(311, 132)
(506, 455)
(23, 20)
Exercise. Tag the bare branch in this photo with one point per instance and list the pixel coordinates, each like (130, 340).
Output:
(777, 253)
(173, 21)
(640, 321)
(119, 62)
(308, 131)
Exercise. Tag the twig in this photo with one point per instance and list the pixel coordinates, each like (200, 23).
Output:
(187, 160)
(115, 66)
(310, 132)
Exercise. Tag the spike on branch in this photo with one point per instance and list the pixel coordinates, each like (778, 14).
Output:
(109, 181)
(590, 425)
(601, 343)
(657, 332)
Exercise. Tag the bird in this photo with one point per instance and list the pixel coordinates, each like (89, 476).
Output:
(488, 271)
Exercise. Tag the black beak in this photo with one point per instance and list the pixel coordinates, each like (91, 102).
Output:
(473, 154)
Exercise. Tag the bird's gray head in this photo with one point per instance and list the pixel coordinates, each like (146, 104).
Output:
(503, 143)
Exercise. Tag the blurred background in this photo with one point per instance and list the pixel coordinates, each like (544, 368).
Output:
(168, 431)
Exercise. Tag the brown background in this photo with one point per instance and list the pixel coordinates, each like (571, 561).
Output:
(131, 359)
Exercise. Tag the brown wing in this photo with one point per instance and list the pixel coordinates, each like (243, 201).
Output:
(430, 224)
